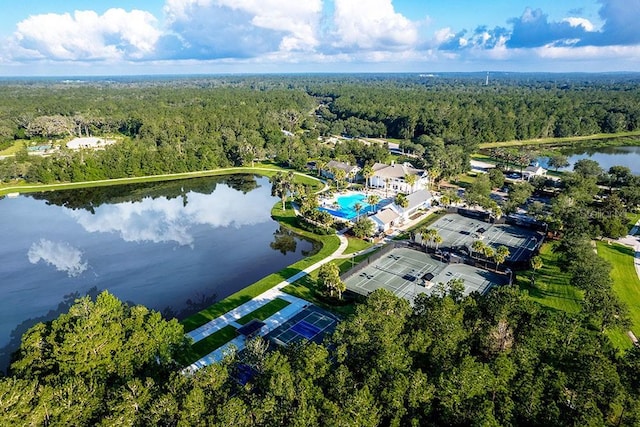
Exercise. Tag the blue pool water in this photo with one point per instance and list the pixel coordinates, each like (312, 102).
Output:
(346, 204)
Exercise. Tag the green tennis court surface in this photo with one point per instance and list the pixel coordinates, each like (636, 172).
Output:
(408, 272)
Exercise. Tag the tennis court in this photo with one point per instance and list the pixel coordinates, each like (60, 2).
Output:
(458, 231)
(311, 324)
(407, 273)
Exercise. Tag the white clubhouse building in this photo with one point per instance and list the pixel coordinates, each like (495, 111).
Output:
(392, 177)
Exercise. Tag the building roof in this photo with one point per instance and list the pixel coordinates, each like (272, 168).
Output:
(537, 170)
(341, 165)
(386, 216)
(395, 170)
(250, 328)
(418, 198)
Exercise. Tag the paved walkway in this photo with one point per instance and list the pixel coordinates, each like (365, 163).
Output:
(296, 305)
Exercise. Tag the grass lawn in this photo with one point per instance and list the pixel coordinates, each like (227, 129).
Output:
(626, 285)
(567, 140)
(330, 244)
(466, 179)
(207, 345)
(552, 289)
(267, 170)
(14, 148)
(632, 218)
(267, 310)
(356, 245)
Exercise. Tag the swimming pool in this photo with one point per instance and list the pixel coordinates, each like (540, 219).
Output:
(345, 206)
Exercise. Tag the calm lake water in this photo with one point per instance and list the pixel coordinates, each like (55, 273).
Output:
(628, 156)
(173, 246)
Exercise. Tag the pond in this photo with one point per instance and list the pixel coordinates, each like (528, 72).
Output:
(172, 246)
(628, 156)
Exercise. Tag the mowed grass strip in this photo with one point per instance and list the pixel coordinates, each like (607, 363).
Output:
(552, 288)
(626, 285)
(264, 312)
(206, 345)
(356, 245)
(330, 244)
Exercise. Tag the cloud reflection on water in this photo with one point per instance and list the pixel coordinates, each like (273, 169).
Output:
(61, 255)
(169, 220)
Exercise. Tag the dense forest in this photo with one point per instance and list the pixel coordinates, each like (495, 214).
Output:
(177, 125)
(450, 360)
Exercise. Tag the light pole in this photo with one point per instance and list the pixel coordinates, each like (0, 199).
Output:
(508, 270)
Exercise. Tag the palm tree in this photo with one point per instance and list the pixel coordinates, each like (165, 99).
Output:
(437, 239)
(536, 264)
(501, 254)
(477, 246)
(386, 186)
(488, 252)
(401, 200)
(410, 179)
(339, 176)
(367, 173)
(373, 200)
(281, 185)
(358, 207)
(320, 165)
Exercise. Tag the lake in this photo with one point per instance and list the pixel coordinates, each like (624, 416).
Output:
(172, 246)
(628, 156)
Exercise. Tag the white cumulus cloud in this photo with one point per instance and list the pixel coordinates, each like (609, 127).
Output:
(580, 22)
(372, 24)
(209, 29)
(85, 35)
(61, 255)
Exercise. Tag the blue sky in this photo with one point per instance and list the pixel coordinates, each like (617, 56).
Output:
(77, 37)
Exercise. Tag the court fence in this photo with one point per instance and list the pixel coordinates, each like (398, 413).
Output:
(373, 257)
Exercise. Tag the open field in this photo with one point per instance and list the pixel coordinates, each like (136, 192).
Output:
(552, 288)
(626, 284)
(559, 141)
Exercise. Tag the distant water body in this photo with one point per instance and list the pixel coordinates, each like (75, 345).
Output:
(606, 157)
(172, 246)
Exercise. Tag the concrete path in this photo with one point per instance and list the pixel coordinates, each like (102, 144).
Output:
(295, 306)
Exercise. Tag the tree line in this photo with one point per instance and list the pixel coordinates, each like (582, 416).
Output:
(194, 124)
(498, 359)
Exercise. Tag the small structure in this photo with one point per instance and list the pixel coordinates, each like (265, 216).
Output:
(533, 170)
(385, 219)
(350, 170)
(89, 142)
(392, 177)
(427, 280)
(417, 200)
(251, 329)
